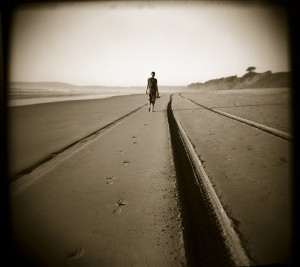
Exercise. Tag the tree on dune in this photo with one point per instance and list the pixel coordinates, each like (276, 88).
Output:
(251, 69)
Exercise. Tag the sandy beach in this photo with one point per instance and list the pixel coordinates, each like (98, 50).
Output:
(112, 203)
(249, 169)
(37, 131)
(112, 199)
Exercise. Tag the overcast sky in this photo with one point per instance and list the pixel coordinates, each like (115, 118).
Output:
(119, 44)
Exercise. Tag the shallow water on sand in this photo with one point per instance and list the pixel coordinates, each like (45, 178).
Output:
(39, 100)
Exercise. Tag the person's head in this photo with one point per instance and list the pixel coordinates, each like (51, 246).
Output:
(152, 73)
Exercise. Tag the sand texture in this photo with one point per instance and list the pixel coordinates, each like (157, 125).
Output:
(249, 169)
(112, 203)
(37, 131)
(112, 199)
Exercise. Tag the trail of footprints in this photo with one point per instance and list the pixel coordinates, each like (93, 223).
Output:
(79, 251)
(110, 180)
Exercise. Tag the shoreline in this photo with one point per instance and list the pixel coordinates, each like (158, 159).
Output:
(32, 99)
(14, 102)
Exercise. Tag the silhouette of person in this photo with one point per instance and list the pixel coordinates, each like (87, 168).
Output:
(152, 91)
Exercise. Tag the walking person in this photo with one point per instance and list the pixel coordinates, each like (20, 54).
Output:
(152, 91)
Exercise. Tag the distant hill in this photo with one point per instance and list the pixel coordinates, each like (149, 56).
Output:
(249, 80)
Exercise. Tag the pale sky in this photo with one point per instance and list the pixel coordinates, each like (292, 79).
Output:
(120, 44)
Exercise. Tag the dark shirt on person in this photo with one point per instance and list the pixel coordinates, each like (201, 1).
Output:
(152, 86)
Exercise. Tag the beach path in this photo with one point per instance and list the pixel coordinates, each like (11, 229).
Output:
(113, 202)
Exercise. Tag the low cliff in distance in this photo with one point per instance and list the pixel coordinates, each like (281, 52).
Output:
(249, 80)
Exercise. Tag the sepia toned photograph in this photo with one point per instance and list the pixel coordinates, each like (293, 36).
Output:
(149, 133)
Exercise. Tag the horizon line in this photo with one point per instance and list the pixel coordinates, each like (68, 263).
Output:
(128, 86)
(90, 85)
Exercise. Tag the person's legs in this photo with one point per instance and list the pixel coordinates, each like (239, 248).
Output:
(153, 102)
(150, 102)
(151, 107)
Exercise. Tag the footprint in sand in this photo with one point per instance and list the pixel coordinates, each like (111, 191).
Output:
(76, 254)
(134, 143)
(120, 203)
(109, 179)
(125, 162)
